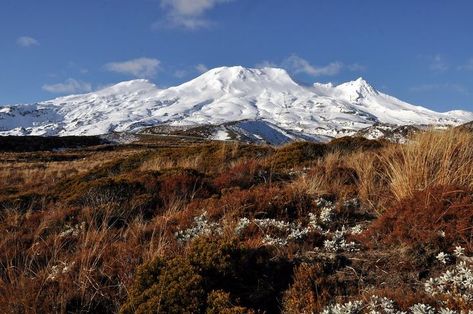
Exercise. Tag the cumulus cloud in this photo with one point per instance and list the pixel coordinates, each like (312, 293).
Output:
(297, 65)
(267, 64)
(356, 67)
(187, 14)
(139, 68)
(26, 41)
(69, 86)
(201, 68)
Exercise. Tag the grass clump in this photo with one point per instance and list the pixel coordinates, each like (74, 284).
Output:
(436, 158)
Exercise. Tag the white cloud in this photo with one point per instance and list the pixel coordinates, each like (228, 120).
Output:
(456, 88)
(70, 86)
(297, 65)
(140, 68)
(468, 66)
(26, 41)
(356, 67)
(437, 63)
(267, 64)
(201, 68)
(187, 14)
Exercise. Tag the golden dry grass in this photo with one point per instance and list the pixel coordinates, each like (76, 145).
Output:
(17, 170)
(430, 159)
(394, 172)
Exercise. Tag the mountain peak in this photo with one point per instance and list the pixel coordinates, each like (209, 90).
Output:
(241, 71)
(239, 76)
(357, 89)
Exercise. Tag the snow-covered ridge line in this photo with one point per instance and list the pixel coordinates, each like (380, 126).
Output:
(220, 96)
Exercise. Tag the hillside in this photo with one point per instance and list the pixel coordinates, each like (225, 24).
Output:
(179, 224)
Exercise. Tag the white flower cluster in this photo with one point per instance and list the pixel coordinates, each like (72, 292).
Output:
(294, 231)
(59, 269)
(420, 308)
(322, 202)
(356, 229)
(347, 308)
(314, 222)
(378, 305)
(269, 222)
(201, 227)
(326, 210)
(443, 258)
(448, 311)
(459, 251)
(382, 305)
(354, 202)
(72, 230)
(339, 243)
(268, 240)
(457, 282)
(326, 215)
(243, 223)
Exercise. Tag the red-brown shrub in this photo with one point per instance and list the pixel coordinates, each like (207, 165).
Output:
(243, 174)
(183, 184)
(440, 217)
(315, 285)
(261, 201)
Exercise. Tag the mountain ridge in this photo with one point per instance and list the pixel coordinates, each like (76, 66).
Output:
(219, 96)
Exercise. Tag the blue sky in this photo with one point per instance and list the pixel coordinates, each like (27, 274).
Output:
(420, 51)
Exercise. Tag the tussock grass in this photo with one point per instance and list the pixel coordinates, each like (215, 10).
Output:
(435, 158)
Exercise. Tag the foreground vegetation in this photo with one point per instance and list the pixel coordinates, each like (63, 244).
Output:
(171, 226)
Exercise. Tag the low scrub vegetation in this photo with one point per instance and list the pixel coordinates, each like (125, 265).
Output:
(160, 225)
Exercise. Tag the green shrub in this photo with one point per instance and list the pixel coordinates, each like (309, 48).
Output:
(219, 302)
(215, 275)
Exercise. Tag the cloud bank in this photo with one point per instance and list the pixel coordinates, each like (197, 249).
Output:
(187, 14)
(69, 86)
(138, 68)
(296, 64)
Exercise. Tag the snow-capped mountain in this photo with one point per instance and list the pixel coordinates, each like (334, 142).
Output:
(264, 98)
